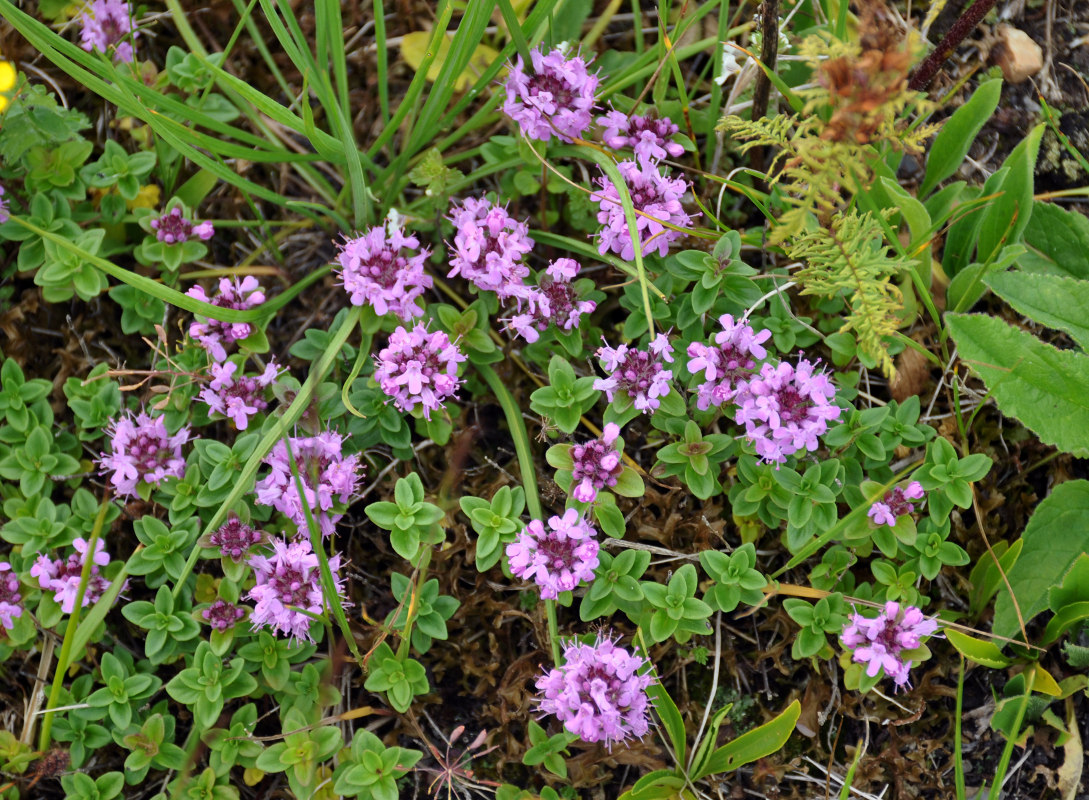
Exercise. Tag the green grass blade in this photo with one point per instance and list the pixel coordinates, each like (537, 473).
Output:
(328, 584)
(513, 413)
(382, 53)
(514, 30)
(246, 476)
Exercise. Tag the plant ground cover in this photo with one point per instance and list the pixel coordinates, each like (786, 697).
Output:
(537, 399)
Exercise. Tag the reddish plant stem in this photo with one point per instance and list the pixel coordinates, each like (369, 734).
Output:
(960, 30)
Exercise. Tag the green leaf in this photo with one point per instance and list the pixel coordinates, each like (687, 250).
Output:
(985, 653)
(1055, 536)
(1055, 301)
(953, 141)
(1058, 242)
(756, 744)
(671, 719)
(1005, 219)
(1034, 382)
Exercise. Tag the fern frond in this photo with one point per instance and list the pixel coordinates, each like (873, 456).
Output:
(850, 258)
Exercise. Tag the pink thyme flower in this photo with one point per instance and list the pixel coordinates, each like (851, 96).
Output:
(326, 474)
(785, 408)
(639, 373)
(222, 615)
(657, 196)
(418, 369)
(596, 465)
(728, 363)
(173, 228)
(234, 539)
(105, 24)
(291, 576)
(488, 248)
(141, 450)
(552, 302)
(213, 335)
(237, 398)
(879, 642)
(11, 599)
(376, 272)
(557, 559)
(598, 693)
(555, 99)
(895, 504)
(4, 215)
(62, 576)
(650, 137)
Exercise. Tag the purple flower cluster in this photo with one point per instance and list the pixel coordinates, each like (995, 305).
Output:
(785, 408)
(11, 599)
(142, 450)
(895, 504)
(173, 228)
(639, 373)
(558, 558)
(213, 335)
(235, 539)
(598, 693)
(327, 476)
(596, 465)
(880, 642)
(105, 24)
(655, 196)
(4, 215)
(556, 98)
(238, 398)
(418, 369)
(650, 137)
(291, 576)
(62, 576)
(488, 248)
(552, 302)
(222, 615)
(728, 363)
(377, 272)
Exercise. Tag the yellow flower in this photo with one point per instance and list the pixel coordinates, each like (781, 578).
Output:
(7, 82)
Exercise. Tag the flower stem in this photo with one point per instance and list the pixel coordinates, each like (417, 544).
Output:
(73, 624)
(961, 28)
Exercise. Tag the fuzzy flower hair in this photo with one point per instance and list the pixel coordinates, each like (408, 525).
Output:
(656, 196)
(596, 465)
(598, 693)
(327, 476)
(638, 373)
(785, 408)
(237, 397)
(488, 248)
(174, 228)
(11, 599)
(558, 558)
(552, 302)
(106, 23)
(554, 98)
(728, 362)
(62, 576)
(418, 369)
(141, 450)
(895, 504)
(385, 271)
(291, 576)
(879, 642)
(213, 335)
(650, 137)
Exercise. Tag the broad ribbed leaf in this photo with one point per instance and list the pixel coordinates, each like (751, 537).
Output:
(1051, 300)
(1058, 242)
(1055, 536)
(1033, 382)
